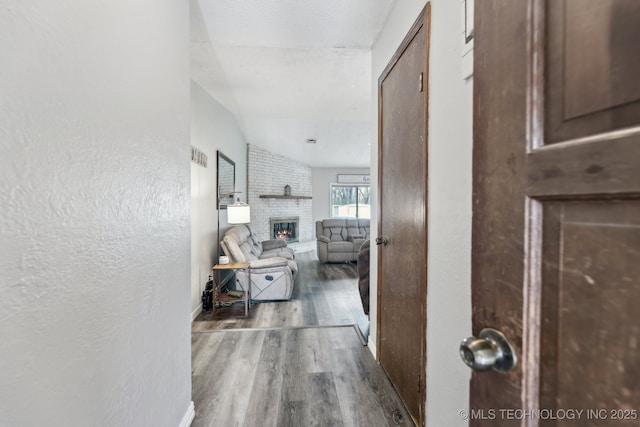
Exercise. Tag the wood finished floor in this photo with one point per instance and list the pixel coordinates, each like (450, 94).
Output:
(323, 294)
(296, 367)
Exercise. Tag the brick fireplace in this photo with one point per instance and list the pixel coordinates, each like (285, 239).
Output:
(267, 174)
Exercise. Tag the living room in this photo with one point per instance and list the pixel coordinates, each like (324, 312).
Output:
(303, 119)
(310, 189)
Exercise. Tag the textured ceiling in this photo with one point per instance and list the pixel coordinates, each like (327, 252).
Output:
(291, 70)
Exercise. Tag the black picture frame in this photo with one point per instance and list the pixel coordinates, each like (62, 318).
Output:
(225, 180)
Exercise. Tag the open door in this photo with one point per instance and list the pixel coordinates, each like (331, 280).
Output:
(556, 212)
(402, 226)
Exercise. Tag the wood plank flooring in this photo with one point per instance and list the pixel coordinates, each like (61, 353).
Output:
(310, 376)
(323, 294)
(293, 363)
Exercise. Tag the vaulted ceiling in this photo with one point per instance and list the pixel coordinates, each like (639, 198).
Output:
(292, 70)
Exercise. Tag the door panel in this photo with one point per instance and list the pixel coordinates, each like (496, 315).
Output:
(556, 228)
(592, 67)
(590, 323)
(402, 182)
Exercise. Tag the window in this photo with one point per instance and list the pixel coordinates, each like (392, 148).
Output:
(350, 201)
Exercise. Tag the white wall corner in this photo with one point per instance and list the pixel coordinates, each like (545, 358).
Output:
(371, 345)
(466, 40)
(188, 416)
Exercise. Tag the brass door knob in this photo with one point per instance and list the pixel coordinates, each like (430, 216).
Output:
(382, 240)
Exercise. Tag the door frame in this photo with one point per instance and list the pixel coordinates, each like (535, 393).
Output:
(423, 20)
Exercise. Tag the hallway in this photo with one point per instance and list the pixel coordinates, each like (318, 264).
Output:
(99, 251)
(297, 363)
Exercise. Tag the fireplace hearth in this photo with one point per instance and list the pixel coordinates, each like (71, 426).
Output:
(285, 228)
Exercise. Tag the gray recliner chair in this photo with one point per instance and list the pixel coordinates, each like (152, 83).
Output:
(272, 264)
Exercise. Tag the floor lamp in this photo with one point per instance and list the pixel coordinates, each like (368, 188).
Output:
(237, 213)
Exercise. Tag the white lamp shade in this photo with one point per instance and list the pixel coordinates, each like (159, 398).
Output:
(238, 213)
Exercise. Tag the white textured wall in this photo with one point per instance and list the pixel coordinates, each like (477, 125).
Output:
(213, 128)
(268, 173)
(322, 180)
(449, 205)
(94, 225)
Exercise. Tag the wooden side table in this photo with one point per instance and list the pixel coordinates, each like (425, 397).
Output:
(222, 298)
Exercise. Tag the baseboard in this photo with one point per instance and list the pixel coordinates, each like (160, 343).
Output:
(189, 416)
(195, 312)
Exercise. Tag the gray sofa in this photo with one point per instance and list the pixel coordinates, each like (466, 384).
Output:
(272, 264)
(339, 240)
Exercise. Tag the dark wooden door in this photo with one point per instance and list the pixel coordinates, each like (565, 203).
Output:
(556, 215)
(402, 273)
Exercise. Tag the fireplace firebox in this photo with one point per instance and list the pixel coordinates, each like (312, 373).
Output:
(285, 228)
